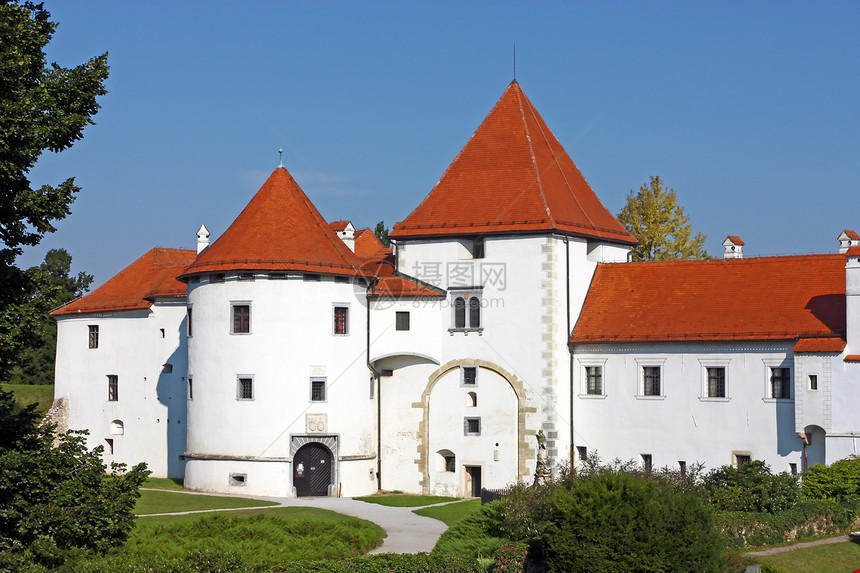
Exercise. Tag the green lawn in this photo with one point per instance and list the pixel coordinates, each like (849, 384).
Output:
(42, 395)
(164, 501)
(450, 513)
(405, 500)
(831, 558)
(164, 483)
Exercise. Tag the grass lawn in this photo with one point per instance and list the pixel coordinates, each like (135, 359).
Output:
(451, 513)
(834, 557)
(164, 483)
(172, 501)
(405, 499)
(41, 394)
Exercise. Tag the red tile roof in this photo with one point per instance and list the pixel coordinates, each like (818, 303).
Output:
(367, 245)
(768, 298)
(852, 235)
(512, 176)
(735, 239)
(338, 225)
(393, 284)
(830, 344)
(852, 358)
(152, 275)
(853, 251)
(279, 230)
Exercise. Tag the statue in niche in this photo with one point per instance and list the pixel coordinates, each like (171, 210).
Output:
(543, 471)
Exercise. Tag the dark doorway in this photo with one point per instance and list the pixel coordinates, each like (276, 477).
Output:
(473, 481)
(312, 470)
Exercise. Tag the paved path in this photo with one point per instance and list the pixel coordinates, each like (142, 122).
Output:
(784, 548)
(406, 531)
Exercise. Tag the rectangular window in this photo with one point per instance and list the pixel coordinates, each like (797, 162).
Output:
(401, 320)
(113, 388)
(741, 459)
(318, 390)
(682, 467)
(450, 463)
(109, 446)
(241, 318)
(245, 389)
(651, 381)
(780, 382)
(478, 248)
(582, 453)
(238, 479)
(190, 388)
(467, 311)
(341, 320)
(188, 323)
(793, 469)
(470, 375)
(94, 335)
(716, 382)
(813, 381)
(471, 426)
(646, 463)
(594, 380)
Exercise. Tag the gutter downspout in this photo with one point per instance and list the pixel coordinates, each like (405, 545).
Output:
(569, 348)
(376, 380)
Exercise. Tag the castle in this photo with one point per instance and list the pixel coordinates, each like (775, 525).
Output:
(293, 356)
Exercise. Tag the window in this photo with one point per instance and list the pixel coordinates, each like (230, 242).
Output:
(109, 446)
(188, 323)
(167, 368)
(594, 380)
(813, 381)
(162, 332)
(651, 381)
(646, 463)
(341, 320)
(741, 458)
(113, 388)
(582, 453)
(117, 428)
(450, 463)
(467, 311)
(94, 335)
(716, 382)
(468, 375)
(793, 469)
(216, 278)
(474, 312)
(402, 320)
(682, 467)
(190, 388)
(238, 479)
(318, 390)
(780, 382)
(478, 248)
(471, 426)
(241, 318)
(459, 312)
(245, 389)
(471, 400)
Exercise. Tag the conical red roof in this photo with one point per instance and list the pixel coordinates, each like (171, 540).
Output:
(279, 230)
(512, 176)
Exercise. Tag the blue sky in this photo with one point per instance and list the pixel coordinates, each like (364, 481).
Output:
(749, 110)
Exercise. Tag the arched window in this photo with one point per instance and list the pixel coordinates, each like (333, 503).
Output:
(117, 428)
(448, 461)
(459, 312)
(471, 400)
(474, 312)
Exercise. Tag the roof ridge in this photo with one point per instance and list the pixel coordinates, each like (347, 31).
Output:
(537, 171)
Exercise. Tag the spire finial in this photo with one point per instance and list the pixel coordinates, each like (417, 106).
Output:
(515, 62)
(280, 157)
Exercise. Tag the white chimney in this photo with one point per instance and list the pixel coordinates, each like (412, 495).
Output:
(202, 238)
(733, 247)
(852, 300)
(847, 239)
(345, 232)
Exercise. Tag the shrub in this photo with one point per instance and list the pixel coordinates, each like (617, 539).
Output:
(615, 521)
(840, 480)
(476, 535)
(751, 488)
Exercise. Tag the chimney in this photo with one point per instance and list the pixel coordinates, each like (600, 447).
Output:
(847, 239)
(345, 232)
(733, 247)
(852, 300)
(202, 238)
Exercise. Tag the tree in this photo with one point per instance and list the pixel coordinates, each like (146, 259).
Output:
(51, 286)
(42, 107)
(381, 232)
(655, 219)
(55, 495)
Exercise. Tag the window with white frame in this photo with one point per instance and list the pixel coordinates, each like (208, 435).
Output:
(241, 318)
(244, 388)
(780, 382)
(471, 426)
(594, 380)
(651, 382)
(467, 310)
(341, 319)
(716, 381)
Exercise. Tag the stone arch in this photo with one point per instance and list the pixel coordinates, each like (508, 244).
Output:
(329, 442)
(525, 450)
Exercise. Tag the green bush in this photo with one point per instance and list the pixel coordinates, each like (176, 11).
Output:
(476, 535)
(840, 480)
(615, 521)
(751, 488)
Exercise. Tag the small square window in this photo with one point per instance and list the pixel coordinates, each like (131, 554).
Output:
(472, 426)
(318, 390)
(813, 382)
(402, 320)
(651, 381)
(594, 380)
(241, 318)
(582, 453)
(741, 458)
(113, 388)
(716, 382)
(238, 480)
(93, 335)
(341, 320)
(245, 389)
(469, 375)
(780, 382)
